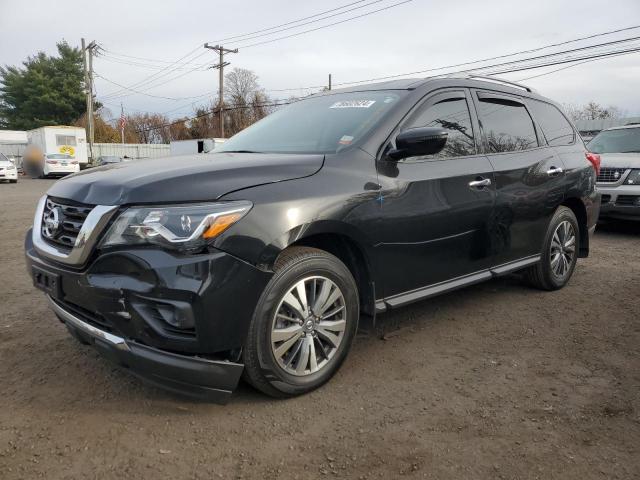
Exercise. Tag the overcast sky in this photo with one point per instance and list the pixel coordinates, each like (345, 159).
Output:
(417, 35)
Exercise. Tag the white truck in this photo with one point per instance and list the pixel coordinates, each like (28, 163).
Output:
(199, 145)
(56, 150)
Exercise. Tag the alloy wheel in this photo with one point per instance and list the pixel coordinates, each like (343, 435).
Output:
(563, 248)
(308, 326)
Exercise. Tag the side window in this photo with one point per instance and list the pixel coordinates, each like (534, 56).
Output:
(507, 125)
(557, 130)
(453, 115)
(65, 140)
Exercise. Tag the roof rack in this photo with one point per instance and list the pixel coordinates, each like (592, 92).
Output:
(502, 81)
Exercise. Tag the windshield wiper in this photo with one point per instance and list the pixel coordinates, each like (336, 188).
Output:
(631, 151)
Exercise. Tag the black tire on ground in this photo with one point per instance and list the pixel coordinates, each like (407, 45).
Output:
(542, 275)
(262, 369)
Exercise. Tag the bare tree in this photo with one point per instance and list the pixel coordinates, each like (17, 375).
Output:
(592, 111)
(245, 100)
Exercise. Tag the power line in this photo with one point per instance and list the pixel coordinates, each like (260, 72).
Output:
(474, 62)
(142, 93)
(571, 66)
(600, 55)
(155, 76)
(325, 26)
(288, 23)
(242, 38)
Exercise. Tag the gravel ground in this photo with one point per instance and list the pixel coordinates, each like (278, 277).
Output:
(494, 381)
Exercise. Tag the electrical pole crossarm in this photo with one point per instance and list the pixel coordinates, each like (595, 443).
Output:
(220, 66)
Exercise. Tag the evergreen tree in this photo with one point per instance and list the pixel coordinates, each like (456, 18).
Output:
(47, 90)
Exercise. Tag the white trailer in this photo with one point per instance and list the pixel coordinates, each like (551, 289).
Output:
(199, 145)
(71, 141)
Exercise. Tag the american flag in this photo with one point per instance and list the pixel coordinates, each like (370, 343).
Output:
(123, 120)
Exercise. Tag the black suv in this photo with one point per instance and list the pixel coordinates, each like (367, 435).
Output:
(260, 258)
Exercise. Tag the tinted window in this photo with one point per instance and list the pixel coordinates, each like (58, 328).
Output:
(507, 125)
(624, 140)
(451, 114)
(318, 124)
(556, 128)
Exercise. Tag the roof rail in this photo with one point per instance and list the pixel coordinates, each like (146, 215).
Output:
(503, 81)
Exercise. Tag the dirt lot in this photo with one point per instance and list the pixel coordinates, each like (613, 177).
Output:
(495, 381)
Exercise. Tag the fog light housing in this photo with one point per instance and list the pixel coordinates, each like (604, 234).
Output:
(166, 317)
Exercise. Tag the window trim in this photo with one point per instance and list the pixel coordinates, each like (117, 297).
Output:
(463, 92)
(573, 128)
(476, 92)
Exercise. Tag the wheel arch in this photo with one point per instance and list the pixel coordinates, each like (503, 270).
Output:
(351, 252)
(578, 208)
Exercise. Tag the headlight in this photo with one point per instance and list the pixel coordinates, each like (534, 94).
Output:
(633, 178)
(178, 227)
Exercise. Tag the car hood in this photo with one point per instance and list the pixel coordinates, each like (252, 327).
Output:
(620, 160)
(189, 178)
(5, 164)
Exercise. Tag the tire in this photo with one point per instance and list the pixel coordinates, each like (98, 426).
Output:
(558, 262)
(277, 367)
(13, 181)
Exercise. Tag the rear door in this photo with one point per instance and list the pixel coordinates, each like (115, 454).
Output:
(435, 210)
(529, 176)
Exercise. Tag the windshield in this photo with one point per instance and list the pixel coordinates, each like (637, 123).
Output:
(625, 140)
(323, 124)
(3, 158)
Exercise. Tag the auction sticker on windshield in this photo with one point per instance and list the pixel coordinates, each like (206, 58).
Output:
(353, 104)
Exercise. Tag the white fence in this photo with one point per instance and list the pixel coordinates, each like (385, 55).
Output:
(131, 150)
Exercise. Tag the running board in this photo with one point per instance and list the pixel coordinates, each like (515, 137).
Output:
(450, 285)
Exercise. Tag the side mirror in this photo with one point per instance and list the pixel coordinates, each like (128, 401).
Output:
(419, 141)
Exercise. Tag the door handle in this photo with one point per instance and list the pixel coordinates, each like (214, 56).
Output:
(554, 171)
(481, 183)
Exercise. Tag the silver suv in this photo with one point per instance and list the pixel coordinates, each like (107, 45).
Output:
(619, 177)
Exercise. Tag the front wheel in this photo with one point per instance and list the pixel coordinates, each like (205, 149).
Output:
(303, 325)
(559, 254)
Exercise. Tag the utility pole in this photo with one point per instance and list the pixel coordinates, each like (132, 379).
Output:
(220, 66)
(87, 50)
(329, 81)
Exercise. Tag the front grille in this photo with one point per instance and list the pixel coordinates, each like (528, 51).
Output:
(628, 200)
(606, 198)
(62, 221)
(610, 175)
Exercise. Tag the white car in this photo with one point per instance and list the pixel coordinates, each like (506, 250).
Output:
(8, 170)
(59, 164)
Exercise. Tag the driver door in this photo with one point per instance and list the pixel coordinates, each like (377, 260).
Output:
(436, 210)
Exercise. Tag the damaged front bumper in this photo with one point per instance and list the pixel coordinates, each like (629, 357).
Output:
(178, 321)
(192, 375)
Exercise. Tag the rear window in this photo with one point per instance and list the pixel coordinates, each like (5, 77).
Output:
(557, 130)
(625, 140)
(507, 125)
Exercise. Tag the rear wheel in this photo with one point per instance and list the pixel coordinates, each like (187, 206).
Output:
(303, 325)
(559, 254)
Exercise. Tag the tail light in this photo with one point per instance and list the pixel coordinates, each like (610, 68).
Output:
(52, 162)
(594, 158)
